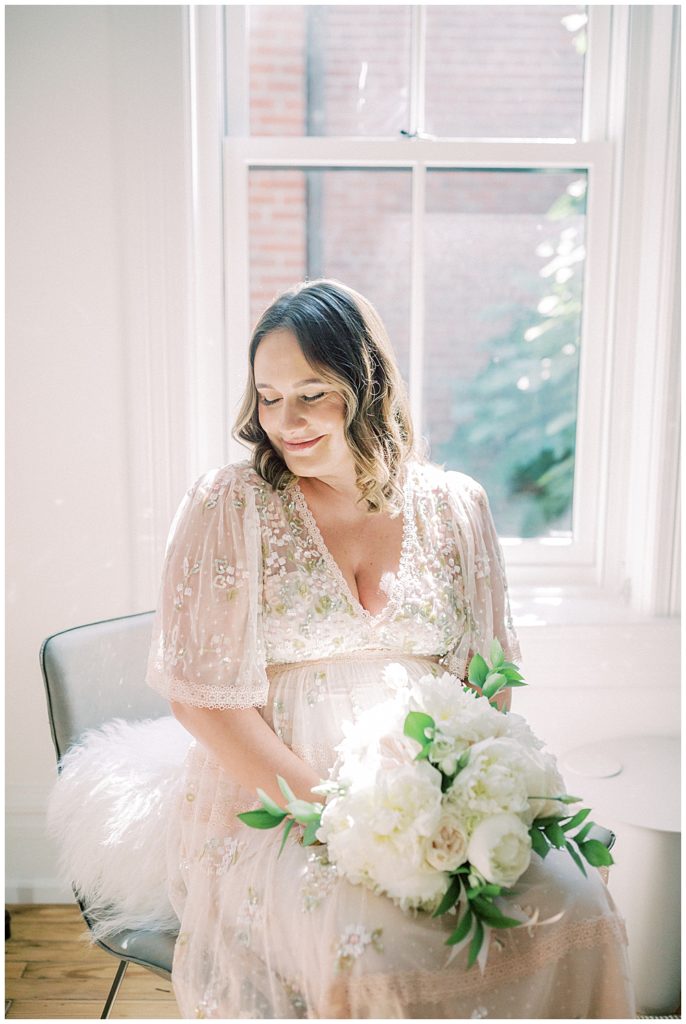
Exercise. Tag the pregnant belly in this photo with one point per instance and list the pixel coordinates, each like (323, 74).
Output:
(309, 702)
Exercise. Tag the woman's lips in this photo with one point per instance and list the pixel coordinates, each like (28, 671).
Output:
(302, 445)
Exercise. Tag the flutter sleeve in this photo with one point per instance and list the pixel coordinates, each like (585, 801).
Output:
(207, 648)
(484, 590)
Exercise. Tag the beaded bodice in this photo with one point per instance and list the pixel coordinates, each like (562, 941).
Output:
(308, 609)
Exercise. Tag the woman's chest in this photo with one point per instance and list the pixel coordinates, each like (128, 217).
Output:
(325, 593)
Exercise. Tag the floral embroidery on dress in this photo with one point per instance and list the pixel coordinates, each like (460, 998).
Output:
(183, 589)
(352, 943)
(319, 880)
(218, 854)
(249, 914)
(318, 691)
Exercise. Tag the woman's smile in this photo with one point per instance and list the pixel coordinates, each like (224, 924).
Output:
(297, 446)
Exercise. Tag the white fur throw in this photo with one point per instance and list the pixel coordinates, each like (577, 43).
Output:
(108, 811)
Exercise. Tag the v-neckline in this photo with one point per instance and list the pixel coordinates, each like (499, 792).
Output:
(316, 535)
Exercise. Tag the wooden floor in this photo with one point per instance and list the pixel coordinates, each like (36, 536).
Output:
(50, 972)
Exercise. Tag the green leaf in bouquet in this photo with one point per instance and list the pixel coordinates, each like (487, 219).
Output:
(304, 812)
(576, 858)
(462, 929)
(555, 834)
(475, 944)
(450, 897)
(271, 805)
(423, 753)
(512, 676)
(285, 788)
(478, 670)
(497, 653)
(508, 666)
(539, 843)
(493, 915)
(260, 819)
(310, 833)
(566, 798)
(286, 831)
(596, 853)
(577, 819)
(583, 832)
(495, 682)
(416, 724)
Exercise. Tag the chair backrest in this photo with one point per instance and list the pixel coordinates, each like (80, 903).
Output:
(96, 672)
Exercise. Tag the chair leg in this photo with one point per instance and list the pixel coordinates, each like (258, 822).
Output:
(118, 978)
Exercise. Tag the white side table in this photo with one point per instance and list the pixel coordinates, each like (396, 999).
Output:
(632, 784)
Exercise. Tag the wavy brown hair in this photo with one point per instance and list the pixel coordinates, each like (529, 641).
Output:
(345, 342)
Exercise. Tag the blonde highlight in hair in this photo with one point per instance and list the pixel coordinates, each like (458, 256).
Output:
(343, 338)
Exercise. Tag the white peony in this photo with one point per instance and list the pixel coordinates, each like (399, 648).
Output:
(494, 781)
(500, 849)
(376, 833)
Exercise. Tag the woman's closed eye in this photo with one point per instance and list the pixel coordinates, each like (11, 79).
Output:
(305, 398)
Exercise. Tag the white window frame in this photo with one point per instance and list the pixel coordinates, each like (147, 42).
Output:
(596, 562)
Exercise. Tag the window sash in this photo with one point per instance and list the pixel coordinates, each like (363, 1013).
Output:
(535, 560)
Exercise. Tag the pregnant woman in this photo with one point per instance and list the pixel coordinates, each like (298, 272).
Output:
(291, 579)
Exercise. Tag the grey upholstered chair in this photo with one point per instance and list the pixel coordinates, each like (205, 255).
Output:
(92, 674)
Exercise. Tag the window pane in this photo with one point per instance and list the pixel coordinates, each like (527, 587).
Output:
(505, 72)
(352, 225)
(329, 70)
(504, 273)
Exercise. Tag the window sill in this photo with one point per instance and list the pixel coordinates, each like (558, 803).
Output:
(537, 606)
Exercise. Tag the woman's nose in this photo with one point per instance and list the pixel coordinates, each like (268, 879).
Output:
(292, 416)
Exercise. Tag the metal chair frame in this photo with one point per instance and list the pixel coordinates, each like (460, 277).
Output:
(115, 945)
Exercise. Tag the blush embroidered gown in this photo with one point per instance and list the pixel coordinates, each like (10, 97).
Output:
(254, 611)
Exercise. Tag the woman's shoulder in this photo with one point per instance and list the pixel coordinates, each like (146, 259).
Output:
(448, 482)
(234, 481)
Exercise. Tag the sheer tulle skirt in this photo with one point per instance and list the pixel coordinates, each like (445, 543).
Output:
(268, 936)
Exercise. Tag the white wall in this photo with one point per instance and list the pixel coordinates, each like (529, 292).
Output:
(96, 215)
(99, 354)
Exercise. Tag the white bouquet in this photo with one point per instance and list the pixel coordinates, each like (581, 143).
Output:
(438, 799)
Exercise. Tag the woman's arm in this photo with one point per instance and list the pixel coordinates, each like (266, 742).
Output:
(249, 750)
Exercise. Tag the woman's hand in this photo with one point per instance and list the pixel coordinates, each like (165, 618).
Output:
(249, 750)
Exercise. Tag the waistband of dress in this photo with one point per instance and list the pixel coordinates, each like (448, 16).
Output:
(364, 655)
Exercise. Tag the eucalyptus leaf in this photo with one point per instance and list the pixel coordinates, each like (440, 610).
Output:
(462, 929)
(576, 858)
(497, 653)
(304, 812)
(285, 788)
(478, 670)
(310, 833)
(493, 915)
(270, 805)
(596, 853)
(289, 826)
(450, 897)
(577, 819)
(538, 842)
(555, 834)
(475, 944)
(260, 819)
(415, 725)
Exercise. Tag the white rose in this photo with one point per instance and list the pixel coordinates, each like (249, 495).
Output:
(500, 849)
(447, 848)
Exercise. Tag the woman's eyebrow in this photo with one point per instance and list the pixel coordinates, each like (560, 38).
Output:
(308, 380)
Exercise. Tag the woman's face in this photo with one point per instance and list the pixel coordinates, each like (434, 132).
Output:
(295, 405)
